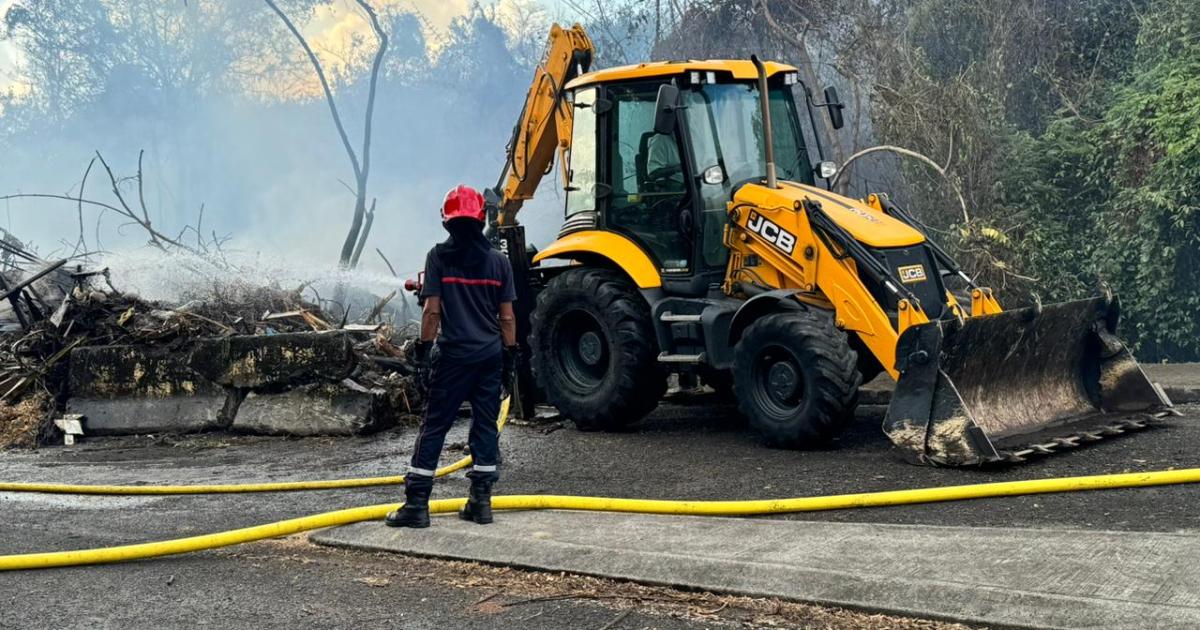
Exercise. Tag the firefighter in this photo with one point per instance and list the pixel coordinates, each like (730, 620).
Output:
(468, 294)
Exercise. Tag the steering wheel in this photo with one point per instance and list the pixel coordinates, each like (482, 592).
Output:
(665, 179)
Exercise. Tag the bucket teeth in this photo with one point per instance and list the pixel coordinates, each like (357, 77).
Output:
(1016, 384)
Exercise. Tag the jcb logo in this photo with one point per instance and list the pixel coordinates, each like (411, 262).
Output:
(775, 235)
(911, 273)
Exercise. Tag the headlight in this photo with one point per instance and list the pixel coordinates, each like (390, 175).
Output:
(826, 170)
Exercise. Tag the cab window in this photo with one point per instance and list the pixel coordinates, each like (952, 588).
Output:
(724, 123)
(581, 189)
(649, 191)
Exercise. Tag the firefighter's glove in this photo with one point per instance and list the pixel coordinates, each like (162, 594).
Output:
(423, 366)
(508, 369)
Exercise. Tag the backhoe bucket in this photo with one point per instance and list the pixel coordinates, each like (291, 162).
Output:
(1000, 387)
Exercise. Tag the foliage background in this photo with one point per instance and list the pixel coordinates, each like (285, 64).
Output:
(1070, 126)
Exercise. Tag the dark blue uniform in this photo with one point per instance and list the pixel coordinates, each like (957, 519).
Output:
(467, 362)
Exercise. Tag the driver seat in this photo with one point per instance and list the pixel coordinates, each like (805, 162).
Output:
(641, 160)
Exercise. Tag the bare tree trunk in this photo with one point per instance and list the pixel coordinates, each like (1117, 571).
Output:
(349, 255)
(362, 237)
(363, 169)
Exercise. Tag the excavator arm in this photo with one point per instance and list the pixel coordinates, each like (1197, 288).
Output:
(544, 125)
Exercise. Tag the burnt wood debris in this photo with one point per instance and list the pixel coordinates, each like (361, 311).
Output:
(77, 349)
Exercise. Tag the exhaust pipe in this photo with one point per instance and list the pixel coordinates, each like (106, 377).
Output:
(768, 137)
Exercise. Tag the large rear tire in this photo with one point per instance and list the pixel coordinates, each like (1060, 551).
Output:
(796, 378)
(594, 351)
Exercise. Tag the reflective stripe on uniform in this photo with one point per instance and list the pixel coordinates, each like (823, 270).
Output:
(472, 282)
(423, 472)
(478, 468)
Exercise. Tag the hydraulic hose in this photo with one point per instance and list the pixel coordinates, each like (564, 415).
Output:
(278, 486)
(603, 504)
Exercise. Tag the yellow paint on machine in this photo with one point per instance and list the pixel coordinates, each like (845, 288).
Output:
(741, 69)
(867, 225)
(611, 246)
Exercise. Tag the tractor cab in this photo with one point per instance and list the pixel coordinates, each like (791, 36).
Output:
(658, 149)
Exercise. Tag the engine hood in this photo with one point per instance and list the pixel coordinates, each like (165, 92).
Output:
(867, 225)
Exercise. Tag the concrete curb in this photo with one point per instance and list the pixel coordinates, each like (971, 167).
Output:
(1013, 577)
(1181, 381)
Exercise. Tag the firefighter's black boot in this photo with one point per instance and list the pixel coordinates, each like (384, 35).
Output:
(415, 511)
(479, 500)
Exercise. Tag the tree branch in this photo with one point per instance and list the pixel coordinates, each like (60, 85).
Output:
(909, 153)
(349, 255)
(375, 65)
(157, 238)
(142, 188)
(362, 236)
(82, 244)
(316, 64)
(386, 262)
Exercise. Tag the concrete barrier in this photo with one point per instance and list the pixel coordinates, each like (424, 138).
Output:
(320, 409)
(287, 384)
(274, 361)
(139, 389)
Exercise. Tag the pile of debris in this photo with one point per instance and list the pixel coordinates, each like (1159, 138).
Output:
(72, 345)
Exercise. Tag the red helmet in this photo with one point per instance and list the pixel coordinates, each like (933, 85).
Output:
(463, 201)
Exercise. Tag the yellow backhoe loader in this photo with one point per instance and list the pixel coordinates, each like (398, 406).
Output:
(698, 239)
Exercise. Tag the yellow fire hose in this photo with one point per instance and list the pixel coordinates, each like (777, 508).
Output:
(602, 504)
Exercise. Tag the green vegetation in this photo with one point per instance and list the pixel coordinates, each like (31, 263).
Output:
(1072, 128)
(1108, 189)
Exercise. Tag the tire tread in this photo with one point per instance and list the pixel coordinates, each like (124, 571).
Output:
(830, 362)
(634, 392)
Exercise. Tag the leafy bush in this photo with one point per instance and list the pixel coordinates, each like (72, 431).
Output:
(1102, 190)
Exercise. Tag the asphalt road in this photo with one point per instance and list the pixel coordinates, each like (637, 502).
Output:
(695, 450)
(699, 451)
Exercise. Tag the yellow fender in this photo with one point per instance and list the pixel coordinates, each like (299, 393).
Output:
(621, 251)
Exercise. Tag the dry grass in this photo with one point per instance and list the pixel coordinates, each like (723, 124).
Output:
(21, 423)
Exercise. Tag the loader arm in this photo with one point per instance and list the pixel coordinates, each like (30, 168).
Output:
(544, 124)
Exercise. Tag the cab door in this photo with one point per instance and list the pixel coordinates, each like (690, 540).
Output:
(648, 192)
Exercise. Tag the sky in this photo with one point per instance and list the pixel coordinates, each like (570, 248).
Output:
(333, 23)
(280, 190)
(7, 55)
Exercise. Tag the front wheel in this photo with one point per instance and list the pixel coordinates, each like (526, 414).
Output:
(796, 378)
(594, 350)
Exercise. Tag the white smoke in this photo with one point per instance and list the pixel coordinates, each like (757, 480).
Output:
(175, 278)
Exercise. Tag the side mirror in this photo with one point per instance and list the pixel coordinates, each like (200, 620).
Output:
(834, 105)
(665, 109)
